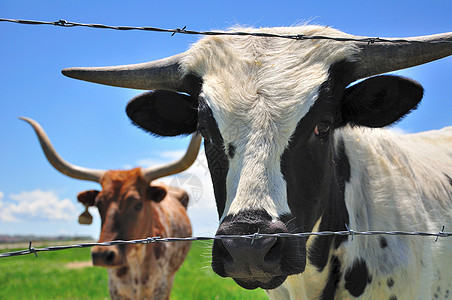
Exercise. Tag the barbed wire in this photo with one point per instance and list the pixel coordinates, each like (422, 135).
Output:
(252, 237)
(368, 40)
(150, 240)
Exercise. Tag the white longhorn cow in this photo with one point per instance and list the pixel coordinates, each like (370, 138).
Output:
(292, 147)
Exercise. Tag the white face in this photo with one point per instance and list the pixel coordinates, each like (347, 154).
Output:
(258, 89)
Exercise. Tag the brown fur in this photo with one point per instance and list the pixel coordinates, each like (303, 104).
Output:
(140, 271)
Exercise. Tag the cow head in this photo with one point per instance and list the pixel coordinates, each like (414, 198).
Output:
(267, 109)
(126, 201)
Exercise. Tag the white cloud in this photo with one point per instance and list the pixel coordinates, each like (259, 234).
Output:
(160, 158)
(37, 204)
(149, 162)
(173, 155)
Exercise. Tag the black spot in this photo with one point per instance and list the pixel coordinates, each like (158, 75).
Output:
(122, 271)
(159, 249)
(217, 159)
(313, 171)
(390, 282)
(333, 279)
(383, 242)
(342, 162)
(231, 150)
(393, 297)
(435, 295)
(357, 278)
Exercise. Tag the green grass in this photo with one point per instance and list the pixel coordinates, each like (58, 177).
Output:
(47, 277)
(196, 280)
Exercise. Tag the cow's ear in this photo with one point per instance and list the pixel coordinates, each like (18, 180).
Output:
(380, 101)
(87, 198)
(164, 113)
(156, 193)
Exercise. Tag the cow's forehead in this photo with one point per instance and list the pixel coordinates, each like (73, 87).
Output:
(252, 81)
(116, 182)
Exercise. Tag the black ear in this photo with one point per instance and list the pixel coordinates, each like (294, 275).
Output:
(87, 198)
(164, 113)
(380, 101)
(156, 193)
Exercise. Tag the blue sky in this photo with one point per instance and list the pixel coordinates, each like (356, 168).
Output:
(87, 122)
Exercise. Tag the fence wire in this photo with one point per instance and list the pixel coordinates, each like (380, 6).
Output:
(252, 237)
(369, 40)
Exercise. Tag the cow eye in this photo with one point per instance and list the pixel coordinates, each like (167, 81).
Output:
(322, 129)
(138, 206)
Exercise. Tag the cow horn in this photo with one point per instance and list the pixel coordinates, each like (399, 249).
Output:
(381, 57)
(178, 166)
(163, 74)
(57, 162)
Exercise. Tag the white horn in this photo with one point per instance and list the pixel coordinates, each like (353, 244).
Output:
(382, 57)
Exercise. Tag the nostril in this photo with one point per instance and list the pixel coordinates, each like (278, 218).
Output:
(258, 252)
(110, 257)
(274, 254)
(103, 258)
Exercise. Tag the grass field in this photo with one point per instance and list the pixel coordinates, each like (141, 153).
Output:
(49, 277)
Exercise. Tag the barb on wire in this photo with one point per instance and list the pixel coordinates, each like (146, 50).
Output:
(150, 240)
(352, 233)
(64, 23)
(441, 233)
(32, 250)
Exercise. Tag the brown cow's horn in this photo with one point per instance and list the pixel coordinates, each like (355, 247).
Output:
(57, 162)
(163, 74)
(178, 166)
(381, 57)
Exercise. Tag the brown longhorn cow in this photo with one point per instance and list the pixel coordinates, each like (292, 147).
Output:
(133, 206)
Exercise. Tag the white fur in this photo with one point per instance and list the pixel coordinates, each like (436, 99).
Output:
(258, 89)
(397, 183)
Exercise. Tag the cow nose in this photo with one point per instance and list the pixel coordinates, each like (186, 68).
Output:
(262, 261)
(251, 257)
(104, 257)
(244, 257)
